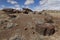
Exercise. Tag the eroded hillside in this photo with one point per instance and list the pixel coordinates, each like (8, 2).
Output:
(29, 25)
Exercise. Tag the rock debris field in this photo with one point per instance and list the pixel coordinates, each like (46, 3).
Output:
(28, 25)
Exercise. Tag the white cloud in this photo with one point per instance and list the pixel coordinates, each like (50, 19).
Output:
(12, 1)
(3, 6)
(48, 5)
(17, 7)
(15, 3)
(28, 2)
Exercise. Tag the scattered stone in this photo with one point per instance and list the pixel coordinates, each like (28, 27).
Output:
(3, 22)
(48, 19)
(26, 10)
(10, 25)
(35, 12)
(26, 28)
(33, 32)
(43, 26)
(45, 29)
(16, 37)
(32, 28)
(6, 21)
(8, 10)
(11, 10)
(12, 16)
(39, 13)
(39, 21)
(16, 11)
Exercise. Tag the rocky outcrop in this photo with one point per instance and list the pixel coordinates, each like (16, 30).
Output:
(26, 10)
(29, 26)
(10, 10)
(45, 29)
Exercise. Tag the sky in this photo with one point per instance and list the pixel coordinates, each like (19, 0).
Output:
(36, 5)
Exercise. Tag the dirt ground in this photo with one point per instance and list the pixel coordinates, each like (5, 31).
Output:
(23, 27)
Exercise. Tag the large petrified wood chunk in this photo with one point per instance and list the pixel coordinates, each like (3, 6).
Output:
(45, 29)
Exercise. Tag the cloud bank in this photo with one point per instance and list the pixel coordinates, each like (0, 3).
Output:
(48, 5)
(15, 3)
(12, 1)
(2, 6)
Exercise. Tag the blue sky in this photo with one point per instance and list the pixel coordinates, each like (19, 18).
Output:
(32, 4)
(21, 3)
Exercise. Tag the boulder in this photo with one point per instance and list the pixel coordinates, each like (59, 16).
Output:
(10, 10)
(26, 10)
(45, 29)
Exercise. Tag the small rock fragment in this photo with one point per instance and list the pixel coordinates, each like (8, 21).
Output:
(33, 32)
(10, 25)
(16, 37)
(26, 28)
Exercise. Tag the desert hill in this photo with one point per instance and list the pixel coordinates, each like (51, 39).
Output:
(29, 25)
(55, 13)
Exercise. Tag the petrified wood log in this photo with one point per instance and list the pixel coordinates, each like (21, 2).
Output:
(45, 29)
